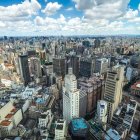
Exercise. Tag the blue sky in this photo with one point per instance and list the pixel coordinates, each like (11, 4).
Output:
(69, 17)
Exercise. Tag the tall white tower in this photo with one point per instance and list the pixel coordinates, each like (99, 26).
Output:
(70, 97)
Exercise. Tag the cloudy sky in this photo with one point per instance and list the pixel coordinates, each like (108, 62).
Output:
(69, 17)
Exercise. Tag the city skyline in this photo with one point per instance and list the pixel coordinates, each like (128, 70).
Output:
(71, 17)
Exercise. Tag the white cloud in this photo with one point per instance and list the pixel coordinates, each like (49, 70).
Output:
(99, 17)
(108, 9)
(2, 24)
(139, 7)
(51, 8)
(69, 9)
(130, 14)
(19, 11)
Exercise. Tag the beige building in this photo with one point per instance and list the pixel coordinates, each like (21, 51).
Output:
(113, 89)
(10, 117)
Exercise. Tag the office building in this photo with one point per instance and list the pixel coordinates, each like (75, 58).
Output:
(73, 62)
(35, 67)
(60, 130)
(94, 88)
(86, 67)
(71, 96)
(59, 66)
(113, 89)
(101, 66)
(24, 69)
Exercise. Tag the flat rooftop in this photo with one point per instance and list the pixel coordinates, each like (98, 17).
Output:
(79, 124)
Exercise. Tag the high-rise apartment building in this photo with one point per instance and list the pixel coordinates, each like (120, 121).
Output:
(113, 89)
(35, 67)
(73, 61)
(94, 88)
(24, 69)
(101, 66)
(71, 96)
(59, 66)
(86, 67)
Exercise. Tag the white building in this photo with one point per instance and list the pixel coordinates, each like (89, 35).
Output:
(70, 97)
(112, 135)
(129, 115)
(28, 93)
(102, 111)
(45, 119)
(60, 129)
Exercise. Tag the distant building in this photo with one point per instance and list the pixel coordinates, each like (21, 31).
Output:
(113, 89)
(86, 67)
(101, 66)
(35, 67)
(24, 69)
(97, 43)
(86, 43)
(73, 61)
(60, 130)
(59, 66)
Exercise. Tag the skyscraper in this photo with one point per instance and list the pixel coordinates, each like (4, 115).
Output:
(59, 66)
(101, 66)
(35, 67)
(86, 67)
(113, 89)
(24, 69)
(71, 96)
(73, 61)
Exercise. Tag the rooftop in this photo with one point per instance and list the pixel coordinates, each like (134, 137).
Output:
(79, 124)
(112, 135)
(5, 123)
(136, 86)
(9, 116)
(14, 110)
(40, 101)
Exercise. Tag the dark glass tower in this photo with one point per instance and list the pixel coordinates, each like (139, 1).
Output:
(24, 69)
